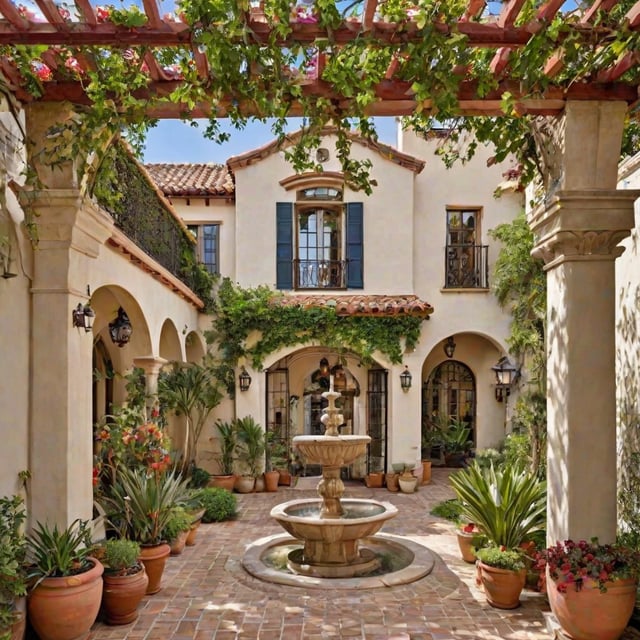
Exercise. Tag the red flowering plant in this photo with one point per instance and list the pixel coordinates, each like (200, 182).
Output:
(570, 563)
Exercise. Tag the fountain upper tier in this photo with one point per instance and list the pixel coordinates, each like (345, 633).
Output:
(331, 451)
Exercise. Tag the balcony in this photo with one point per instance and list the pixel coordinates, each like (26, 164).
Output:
(466, 266)
(319, 274)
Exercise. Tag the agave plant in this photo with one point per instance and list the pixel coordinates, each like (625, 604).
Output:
(140, 503)
(508, 505)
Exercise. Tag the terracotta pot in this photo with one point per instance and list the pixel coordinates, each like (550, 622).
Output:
(285, 478)
(589, 614)
(465, 543)
(178, 545)
(374, 480)
(502, 587)
(224, 482)
(271, 479)
(122, 595)
(65, 608)
(426, 471)
(391, 480)
(154, 557)
(19, 627)
(258, 485)
(244, 484)
(192, 534)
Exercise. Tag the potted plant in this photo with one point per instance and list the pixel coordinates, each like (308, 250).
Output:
(125, 581)
(591, 587)
(502, 575)
(469, 539)
(218, 504)
(276, 456)
(13, 580)
(406, 480)
(176, 529)
(66, 582)
(456, 443)
(508, 505)
(226, 455)
(138, 508)
(251, 447)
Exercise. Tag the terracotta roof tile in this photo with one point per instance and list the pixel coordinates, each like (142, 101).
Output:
(362, 305)
(192, 179)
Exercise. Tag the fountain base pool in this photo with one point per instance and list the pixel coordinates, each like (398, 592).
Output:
(400, 560)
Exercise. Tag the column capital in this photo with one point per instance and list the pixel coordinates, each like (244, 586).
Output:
(582, 225)
(151, 364)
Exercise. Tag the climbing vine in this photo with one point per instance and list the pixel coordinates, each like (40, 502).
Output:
(251, 323)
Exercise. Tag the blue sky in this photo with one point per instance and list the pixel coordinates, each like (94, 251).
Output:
(176, 141)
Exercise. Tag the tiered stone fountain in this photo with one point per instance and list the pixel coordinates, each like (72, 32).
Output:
(332, 527)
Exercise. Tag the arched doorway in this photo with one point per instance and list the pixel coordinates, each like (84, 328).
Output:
(449, 394)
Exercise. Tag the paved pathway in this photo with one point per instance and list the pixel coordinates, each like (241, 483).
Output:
(207, 595)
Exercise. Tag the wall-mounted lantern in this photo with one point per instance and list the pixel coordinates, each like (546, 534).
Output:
(506, 375)
(244, 379)
(120, 329)
(405, 379)
(449, 347)
(82, 317)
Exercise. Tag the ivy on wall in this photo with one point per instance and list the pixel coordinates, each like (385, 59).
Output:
(249, 324)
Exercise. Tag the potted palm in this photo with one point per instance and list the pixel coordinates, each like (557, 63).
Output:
(502, 574)
(251, 446)
(66, 582)
(591, 587)
(125, 581)
(138, 507)
(457, 443)
(226, 455)
(13, 581)
(275, 458)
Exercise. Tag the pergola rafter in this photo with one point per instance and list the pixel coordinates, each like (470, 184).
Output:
(506, 34)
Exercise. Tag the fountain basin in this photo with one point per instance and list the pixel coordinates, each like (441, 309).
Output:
(331, 451)
(331, 546)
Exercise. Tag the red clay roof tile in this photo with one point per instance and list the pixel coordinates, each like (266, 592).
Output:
(362, 305)
(192, 179)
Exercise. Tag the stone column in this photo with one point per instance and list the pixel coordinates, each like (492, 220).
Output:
(152, 366)
(71, 231)
(577, 232)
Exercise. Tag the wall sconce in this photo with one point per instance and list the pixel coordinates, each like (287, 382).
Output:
(120, 329)
(324, 367)
(245, 380)
(82, 317)
(405, 379)
(506, 376)
(449, 347)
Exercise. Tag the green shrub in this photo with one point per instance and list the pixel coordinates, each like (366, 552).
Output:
(120, 555)
(178, 521)
(449, 510)
(501, 559)
(219, 504)
(199, 478)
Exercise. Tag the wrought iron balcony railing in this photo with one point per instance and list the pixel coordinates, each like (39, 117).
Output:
(466, 266)
(319, 274)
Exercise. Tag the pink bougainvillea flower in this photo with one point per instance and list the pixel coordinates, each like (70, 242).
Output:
(72, 64)
(26, 13)
(65, 14)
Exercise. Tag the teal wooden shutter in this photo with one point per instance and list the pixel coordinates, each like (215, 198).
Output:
(284, 245)
(355, 246)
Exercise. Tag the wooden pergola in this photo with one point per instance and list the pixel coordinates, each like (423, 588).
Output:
(86, 30)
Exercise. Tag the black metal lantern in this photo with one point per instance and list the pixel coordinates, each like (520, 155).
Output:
(449, 347)
(82, 317)
(244, 379)
(405, 379)
(506, 374)
(324, 367)
(120, 329)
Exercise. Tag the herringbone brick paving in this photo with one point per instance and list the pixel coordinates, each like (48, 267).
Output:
(207, 595)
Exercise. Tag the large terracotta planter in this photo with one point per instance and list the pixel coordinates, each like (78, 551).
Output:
(271, 480)
(192, 534)
(502, 587)
(19, 627)
(178, 545)
(65, 608)
(391, 479)
(374, 480)
(244, 484)
(426, 471)
(122, 595)
(589, 614)
(154, 558)
(465, 544)
(224, 482)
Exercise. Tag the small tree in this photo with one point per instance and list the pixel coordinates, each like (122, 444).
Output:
(191, 390)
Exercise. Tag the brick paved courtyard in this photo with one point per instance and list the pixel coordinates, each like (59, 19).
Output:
(208, 595)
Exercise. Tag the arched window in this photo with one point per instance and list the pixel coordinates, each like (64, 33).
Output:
(450, 393)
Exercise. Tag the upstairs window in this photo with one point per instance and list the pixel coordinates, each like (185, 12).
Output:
(208, 247)
(465, 259)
